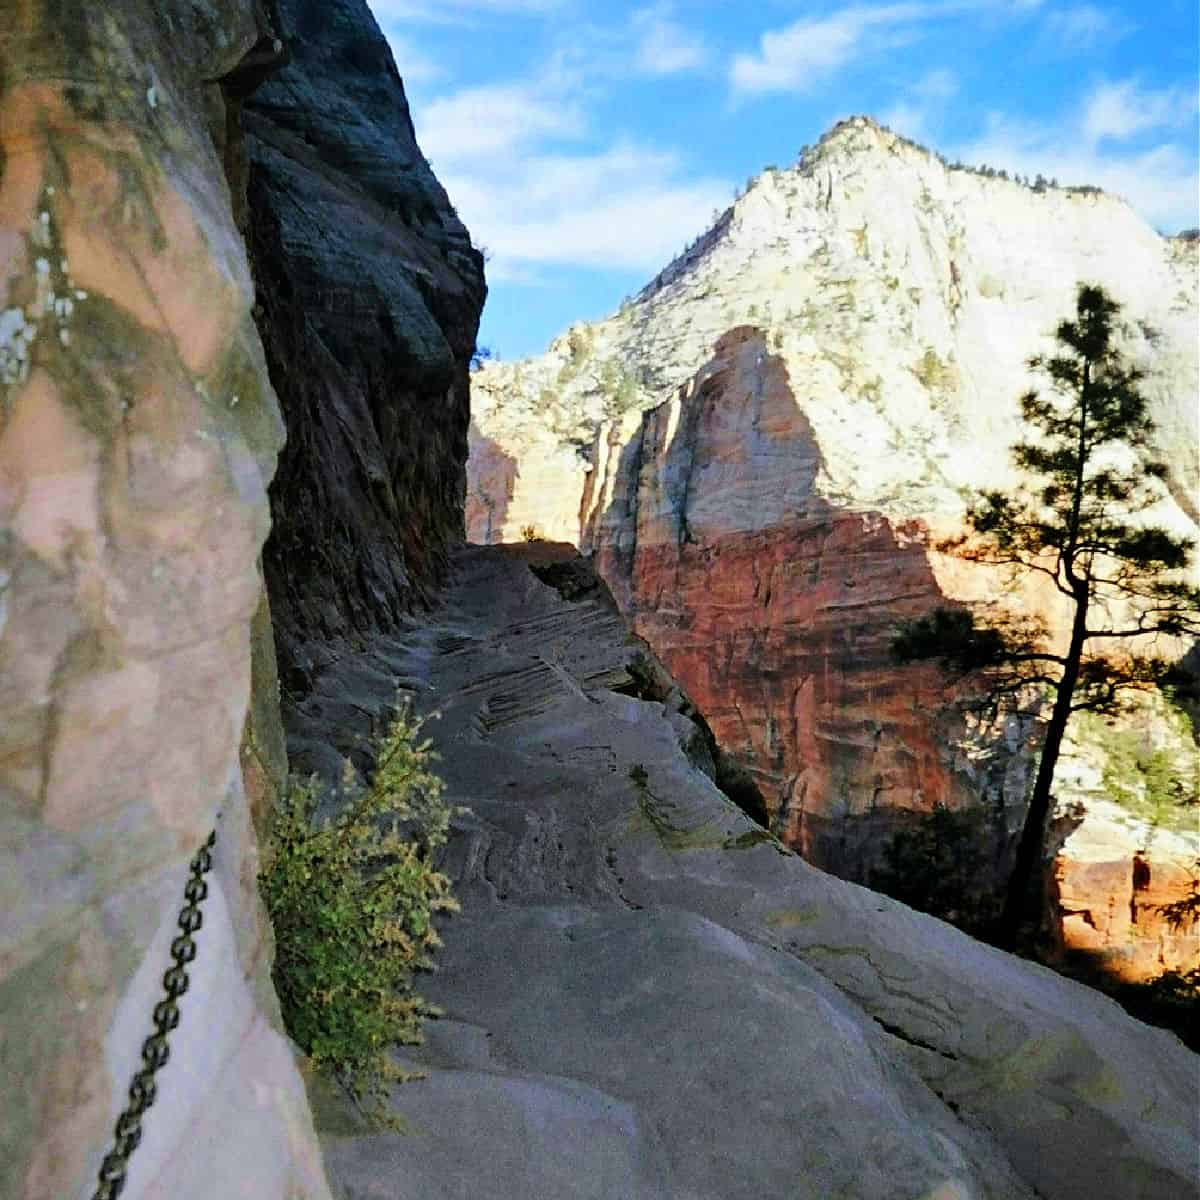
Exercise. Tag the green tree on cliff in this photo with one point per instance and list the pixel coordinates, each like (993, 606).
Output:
(1076, 519)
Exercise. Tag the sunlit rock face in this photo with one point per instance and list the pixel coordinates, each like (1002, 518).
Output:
(783, 423)
(1114, 881)
(778, 608)
(370, 293)
(138, 433)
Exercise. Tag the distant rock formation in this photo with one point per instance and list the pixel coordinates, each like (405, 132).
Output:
(763, 446)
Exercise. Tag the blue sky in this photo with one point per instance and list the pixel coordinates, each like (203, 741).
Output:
(584, 142)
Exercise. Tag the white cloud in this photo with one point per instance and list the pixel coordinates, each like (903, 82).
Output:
(414, 67)
(663, 45)
(800, 56)
(626, 208)
(909, 120)
(917, 113)
(1121, 110)
(495, 121)
(1081, 26)
(514, 161)
(937, 86)
(1160, 181)
(392, 13)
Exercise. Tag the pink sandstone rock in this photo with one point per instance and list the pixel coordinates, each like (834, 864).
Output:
(138, 432)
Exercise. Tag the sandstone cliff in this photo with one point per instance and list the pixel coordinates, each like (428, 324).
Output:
(140, 425)
(760, 448)
(660, 954)
(138, 432)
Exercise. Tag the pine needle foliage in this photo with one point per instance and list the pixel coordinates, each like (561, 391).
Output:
(352, 901)
(1076, 519)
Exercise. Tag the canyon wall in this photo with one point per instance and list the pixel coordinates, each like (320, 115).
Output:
(778, 430)
(369, 294)
(140, 426)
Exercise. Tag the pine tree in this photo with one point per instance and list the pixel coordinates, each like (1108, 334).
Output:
(1077, 520)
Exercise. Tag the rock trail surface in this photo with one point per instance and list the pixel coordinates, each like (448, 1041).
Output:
(648, 997)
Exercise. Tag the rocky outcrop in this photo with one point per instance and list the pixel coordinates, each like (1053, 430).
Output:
(369, 294)
(776, 608)
(647, 996)
(1115, 878)
(138, 433)
(782, 425)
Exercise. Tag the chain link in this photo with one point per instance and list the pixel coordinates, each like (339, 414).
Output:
(143, 1091)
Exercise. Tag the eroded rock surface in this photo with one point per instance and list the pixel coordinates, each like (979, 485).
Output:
(783, 424)
(138, 433)
(648, 996)
(369, 293)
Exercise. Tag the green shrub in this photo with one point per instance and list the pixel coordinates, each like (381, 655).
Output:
(1182, 914)
(352, 901)
(1153, 782)
(940, 866)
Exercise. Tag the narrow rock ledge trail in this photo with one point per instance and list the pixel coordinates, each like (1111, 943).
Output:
(647, 998)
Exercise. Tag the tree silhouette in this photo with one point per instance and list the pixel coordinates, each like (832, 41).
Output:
(1078, 520)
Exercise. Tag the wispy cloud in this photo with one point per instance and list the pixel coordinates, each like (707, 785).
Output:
(1077, 28)
(663, 46)
(1091, 145)
(520, 163)
(916, 114)
(392, 13)
(628, 207)
(1121, 110)
(801, 55)
(413, 65)
(496, 122)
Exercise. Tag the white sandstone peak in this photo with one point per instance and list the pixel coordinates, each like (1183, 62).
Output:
(903, 294)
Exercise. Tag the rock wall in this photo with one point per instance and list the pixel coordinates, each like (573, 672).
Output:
(138, 433)
(780, 427)
(369, 294)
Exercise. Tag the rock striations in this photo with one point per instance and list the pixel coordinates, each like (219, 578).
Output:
(760, 448)
(646, 996)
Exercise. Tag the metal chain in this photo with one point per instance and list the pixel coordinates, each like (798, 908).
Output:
(155, 1051)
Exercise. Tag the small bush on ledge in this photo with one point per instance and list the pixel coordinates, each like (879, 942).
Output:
(352, 902)
(940, 866)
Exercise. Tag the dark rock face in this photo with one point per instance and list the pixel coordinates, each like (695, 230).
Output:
(369, 294)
